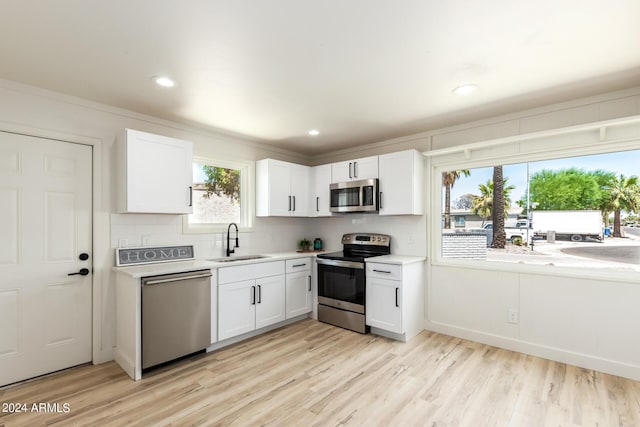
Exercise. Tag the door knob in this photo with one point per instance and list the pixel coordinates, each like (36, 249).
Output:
(82, 272)
(83, 256)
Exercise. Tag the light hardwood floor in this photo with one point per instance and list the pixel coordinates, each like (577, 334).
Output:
(310, 373)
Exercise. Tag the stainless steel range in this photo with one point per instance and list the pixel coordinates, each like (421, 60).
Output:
(341, 280)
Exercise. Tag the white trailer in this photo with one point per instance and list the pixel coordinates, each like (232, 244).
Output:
(576, 226)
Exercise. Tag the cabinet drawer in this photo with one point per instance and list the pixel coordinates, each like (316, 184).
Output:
(384, 271)
(298, 264)
(249, 271)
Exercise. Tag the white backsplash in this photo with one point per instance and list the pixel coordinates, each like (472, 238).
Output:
(408, 233)
(269, 235)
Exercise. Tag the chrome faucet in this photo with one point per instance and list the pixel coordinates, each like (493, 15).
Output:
(229, 250)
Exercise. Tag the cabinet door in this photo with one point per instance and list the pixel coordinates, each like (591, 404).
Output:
(320, 181)
(365, 168)
(401, 184)
(300, 190)
(270, 301)
(159, 174)
(298, 299)
(280, 201)
(341, 171)
(384, 304)
(236, 309)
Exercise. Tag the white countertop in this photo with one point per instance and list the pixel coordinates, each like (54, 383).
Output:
(137, 271)
(396, 259)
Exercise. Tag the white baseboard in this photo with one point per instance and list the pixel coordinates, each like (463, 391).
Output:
(552, 353)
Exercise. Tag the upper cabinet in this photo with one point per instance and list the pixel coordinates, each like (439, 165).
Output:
(401, 183)
(320, 181)
(156, 174)
(364, 168)
(282, 188)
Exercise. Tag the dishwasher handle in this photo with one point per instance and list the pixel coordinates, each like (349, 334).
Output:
(175, 279)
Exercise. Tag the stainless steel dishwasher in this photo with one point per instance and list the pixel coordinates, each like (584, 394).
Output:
(176, 316)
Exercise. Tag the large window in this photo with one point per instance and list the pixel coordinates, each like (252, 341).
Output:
(220, 196)
(575, 211)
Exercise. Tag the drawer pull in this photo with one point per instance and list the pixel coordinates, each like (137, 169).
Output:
(382, 271)
(299, 265)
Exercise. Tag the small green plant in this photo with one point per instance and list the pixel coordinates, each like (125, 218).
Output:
(305, 244)
(517, 240)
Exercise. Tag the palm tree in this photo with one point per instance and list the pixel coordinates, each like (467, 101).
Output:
(448, 179)
(483, 205)
(625, 195)
(499, 235)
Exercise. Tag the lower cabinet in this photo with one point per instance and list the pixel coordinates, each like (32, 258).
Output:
(250, 304)
(384, 304)
(299, 286)
(298, 293)
(395, 299)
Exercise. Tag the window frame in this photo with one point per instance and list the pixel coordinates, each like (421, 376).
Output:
(575, 141)
(247, 197)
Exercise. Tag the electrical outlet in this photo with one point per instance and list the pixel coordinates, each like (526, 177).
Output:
(513, 316)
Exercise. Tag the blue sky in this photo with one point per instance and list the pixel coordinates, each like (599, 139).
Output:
(625, 162)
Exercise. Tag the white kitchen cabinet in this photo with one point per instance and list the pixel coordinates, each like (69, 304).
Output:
(270, 301)
(282, 188)
(395, 299)
(401, 184)
(320, 194)
(298, 287)
(250, 297)
(363, 168)
(156, 174)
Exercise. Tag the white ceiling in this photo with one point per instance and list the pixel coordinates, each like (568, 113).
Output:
(360, 71)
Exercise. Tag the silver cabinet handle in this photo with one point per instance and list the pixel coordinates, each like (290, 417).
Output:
(381, 271)
(175, 279)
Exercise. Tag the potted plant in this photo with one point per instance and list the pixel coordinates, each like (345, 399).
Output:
(305, 244)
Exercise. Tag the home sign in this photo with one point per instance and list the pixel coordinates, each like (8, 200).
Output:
(135, 256)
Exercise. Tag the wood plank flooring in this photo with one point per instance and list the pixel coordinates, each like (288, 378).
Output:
(313, 374)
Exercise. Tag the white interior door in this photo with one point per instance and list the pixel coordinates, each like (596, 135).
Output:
(45, 224)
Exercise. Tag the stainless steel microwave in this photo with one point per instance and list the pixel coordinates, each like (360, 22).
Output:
(354, 196)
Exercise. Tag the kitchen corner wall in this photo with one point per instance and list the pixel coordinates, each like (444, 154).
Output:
(408, 233)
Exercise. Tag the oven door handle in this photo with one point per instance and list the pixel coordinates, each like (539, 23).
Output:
(340, 263)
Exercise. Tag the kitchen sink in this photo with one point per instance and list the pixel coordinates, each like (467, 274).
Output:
(238, 258)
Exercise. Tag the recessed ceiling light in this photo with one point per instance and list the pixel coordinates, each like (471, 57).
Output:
(164, 81)
(465, 89)
(314, 132)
